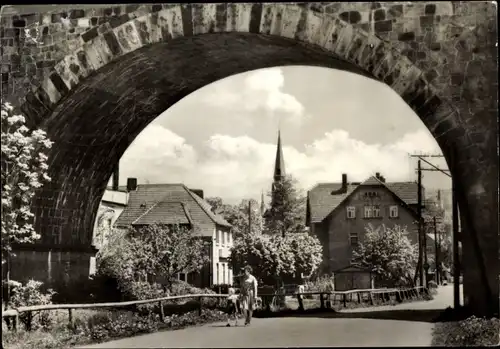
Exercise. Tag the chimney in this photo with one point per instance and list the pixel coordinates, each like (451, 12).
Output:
(116, 177)
(131, 184)
(377, 175)
(343, 189)
(198, 192)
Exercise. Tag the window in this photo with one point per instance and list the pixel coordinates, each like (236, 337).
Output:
(376, 211)
(393, 212)
(225, 240)
(182, 277)
(353, 238)
(230, 238)
(368, 211)
(220, 236)
(217, 273)
(224, 273)
(351, 212)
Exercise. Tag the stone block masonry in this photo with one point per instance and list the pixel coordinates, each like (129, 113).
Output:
(94, 77)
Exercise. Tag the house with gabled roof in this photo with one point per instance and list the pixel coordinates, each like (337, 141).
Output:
(176, 204)
(338, 213)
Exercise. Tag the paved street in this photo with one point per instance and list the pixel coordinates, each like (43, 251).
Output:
(400, 325)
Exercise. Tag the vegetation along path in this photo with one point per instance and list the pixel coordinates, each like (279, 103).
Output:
(407, 324)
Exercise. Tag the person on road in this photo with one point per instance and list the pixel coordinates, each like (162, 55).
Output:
(248, 294)
(233, 306)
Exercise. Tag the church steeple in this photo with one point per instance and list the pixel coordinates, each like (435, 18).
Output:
(279, 165)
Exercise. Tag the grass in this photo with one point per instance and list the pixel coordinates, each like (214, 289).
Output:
(95, 326)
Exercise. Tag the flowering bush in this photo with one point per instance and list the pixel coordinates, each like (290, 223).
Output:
(30, 294)
(473, 331)
(24, 169)
(389, 253)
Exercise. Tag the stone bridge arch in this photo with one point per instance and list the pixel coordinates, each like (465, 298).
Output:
(132, 63)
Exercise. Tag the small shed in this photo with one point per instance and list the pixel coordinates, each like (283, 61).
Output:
(353, 277)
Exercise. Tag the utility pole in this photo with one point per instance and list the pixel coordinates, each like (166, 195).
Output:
(436, 251)
(423, 265)
(249, 217)
(419, 216)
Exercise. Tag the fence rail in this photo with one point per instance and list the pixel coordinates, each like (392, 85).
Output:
(342, 296)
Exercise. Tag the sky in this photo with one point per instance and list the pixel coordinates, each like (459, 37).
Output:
(222, 138)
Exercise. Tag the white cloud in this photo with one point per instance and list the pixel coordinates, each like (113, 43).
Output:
(260, 90)
(239, 167)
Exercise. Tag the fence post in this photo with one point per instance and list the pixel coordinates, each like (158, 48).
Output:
(201, 306)
(322, 301)
(29, 318)
(372, 302)
(15, 321)
(345, 300)
(70, 318)
(359, 297)
(162, 314)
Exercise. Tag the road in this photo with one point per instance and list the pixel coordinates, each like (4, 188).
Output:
(400, 325)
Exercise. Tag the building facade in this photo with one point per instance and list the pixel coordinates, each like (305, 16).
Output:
(175, 204)
(338, 214)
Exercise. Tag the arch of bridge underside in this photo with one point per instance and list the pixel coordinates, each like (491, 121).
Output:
(98, 99)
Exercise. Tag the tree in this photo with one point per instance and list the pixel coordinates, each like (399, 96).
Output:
(103, 226)
(275, 258)
(24, 170)
(286, 213)
(307, 253)
(237, 215)
(261, 253)
(389, 253)
(151, 252)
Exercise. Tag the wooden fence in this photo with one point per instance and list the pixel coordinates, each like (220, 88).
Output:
(326, 298)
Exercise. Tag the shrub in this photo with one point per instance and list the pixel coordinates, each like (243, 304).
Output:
(30, 294)
(470, 332)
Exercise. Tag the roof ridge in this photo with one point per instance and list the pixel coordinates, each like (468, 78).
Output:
(146, 212)
(193, 195)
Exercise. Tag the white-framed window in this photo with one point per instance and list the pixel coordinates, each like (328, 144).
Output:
(376, 211)
(351, 212)
(393, 211)
(223, 273)
(353, 239)
(225, 240)
(220, 236)
(368, 211)
(182, 277)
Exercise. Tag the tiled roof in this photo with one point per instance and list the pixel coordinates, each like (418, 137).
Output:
(165, 213)
(148, 195)
(322, 202)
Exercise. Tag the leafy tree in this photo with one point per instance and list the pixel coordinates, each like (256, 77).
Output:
(237, 215)
(103, 227)
(286, 213)
(389, 253)
(24, 170)
(151, 252)
(307, 252)
(261, 253)
(275, 258)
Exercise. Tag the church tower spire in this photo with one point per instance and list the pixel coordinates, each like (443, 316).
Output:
(279, 165)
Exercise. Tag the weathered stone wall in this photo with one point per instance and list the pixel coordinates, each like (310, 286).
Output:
(75, 77)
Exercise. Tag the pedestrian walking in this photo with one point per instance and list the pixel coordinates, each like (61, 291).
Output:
(248, 294)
